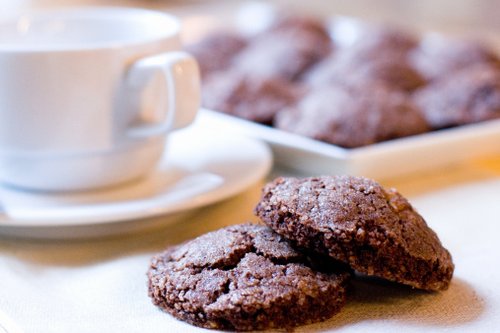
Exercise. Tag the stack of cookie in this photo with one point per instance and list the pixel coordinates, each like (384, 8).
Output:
(296, 269)
(387, 84)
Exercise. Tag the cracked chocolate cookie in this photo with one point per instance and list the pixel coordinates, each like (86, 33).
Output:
(355, 220)
(251, 98)
(245, 277)
(283, 53)
(353, 116)
(216, 51)
(390, 69)
(438, 56)
(467, 96)
(377, 39)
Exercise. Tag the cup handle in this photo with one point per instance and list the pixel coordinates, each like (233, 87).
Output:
(181, 74)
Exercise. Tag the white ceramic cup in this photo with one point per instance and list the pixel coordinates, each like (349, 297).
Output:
(88, 95)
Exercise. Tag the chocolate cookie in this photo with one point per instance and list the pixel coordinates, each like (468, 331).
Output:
(374, 39)
(245, 277)
(467, 96)
(355, 220)
(378, 53)
(283, 53)
(286, 21)
(389, 68)
(353, 116)
(216, 51)
(253, 98)
(438, 56)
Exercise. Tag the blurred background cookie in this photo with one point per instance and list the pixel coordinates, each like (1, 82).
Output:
(353, 116)
(250, 97)
(285, 51)
(389, 68)
(467, 96)
(215, 51)
(438, 56)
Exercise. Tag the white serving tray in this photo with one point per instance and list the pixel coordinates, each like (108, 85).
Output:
(381, 160)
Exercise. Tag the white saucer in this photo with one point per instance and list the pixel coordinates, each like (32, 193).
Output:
(201, 166)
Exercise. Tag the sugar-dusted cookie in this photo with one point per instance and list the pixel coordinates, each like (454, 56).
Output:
(355, 220)
(215, 51)
(438, 56)
(245, 277)
(253, 98)
(353, 116)
(467, 96)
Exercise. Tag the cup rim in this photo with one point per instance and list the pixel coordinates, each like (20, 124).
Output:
(169, 27)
